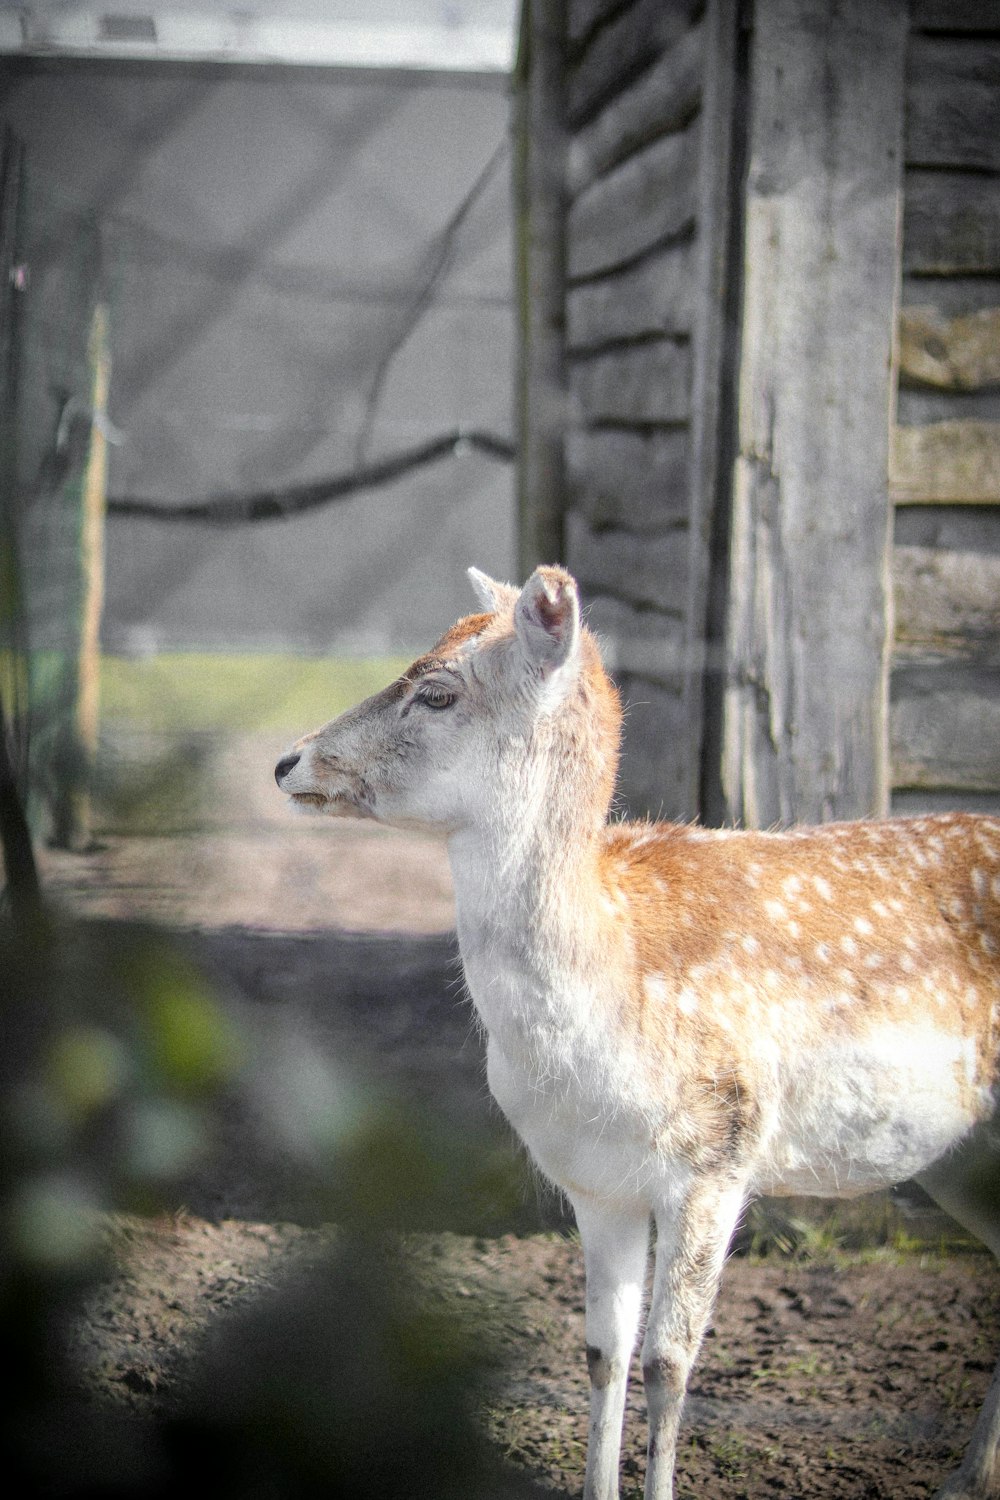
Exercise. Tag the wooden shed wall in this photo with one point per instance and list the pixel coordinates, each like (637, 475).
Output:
(803, 701)
(643, 223)
(690, 315)
(945, 469)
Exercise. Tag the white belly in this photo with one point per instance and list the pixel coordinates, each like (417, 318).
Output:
(839, 1126)
(851, 1122)
(837, 1115)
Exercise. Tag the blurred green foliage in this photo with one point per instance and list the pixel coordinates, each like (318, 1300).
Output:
(118, 1060)
(113, 1044)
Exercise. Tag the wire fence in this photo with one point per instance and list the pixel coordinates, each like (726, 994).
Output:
(298, 294)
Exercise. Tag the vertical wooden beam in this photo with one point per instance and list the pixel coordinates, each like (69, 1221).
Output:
(804, 731)
(715, 298)
(539, 220)
(13, 614)
(71, 811)
(23, 891)
(94, 504)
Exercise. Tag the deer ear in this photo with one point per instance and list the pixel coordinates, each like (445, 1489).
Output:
(547, 619)
(494, 597)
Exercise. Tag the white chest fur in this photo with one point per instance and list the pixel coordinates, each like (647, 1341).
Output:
(565, 1080)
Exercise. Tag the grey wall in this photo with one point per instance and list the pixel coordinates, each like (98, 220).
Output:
(286, 303)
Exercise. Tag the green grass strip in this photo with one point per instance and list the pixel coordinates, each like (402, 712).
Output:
(191, 691)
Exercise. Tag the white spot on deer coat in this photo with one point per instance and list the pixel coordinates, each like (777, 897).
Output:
(655, 988)
(687, 1001)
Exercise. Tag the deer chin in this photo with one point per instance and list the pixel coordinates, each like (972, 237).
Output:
(330, 804)
(308, 802)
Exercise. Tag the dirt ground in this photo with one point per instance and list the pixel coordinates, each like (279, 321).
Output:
(826, 1378)
(823, 1375)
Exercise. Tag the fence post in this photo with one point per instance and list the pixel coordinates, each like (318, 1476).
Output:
(72, 814)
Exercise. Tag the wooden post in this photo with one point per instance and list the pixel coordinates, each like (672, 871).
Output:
(94, 502)
(539, 220)
(71, 813)
(808, 634)
(13, 622)
(713, 372)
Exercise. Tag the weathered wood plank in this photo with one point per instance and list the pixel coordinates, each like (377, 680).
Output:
(633, 479)
(662, 100)
(946, 605)
(652, 781)
(715, 343)
(946, 580)
(539, 160)
(951, 223)
(955, 15)
(805, 713)
(94, 500)
(583, 15)
(957, 528)
(957, 462)
(647, 383)
(656, 296)
(953, 102)
(951, 296)
(915, 802)
(619, 51)
(945, 728)
(922, 406)
(647, 199)
(642, 570)
(954, 354)
(645, 642)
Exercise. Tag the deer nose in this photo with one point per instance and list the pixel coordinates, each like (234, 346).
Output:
(285, 764)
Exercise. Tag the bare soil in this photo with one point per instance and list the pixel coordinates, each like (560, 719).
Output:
(823, 1375)
(824, 1378)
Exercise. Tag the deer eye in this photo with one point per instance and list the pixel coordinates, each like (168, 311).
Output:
(436, 695)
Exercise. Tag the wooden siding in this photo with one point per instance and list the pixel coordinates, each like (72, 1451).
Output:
(639, 204)
(637, 265)
(781, 397)
(628, 478)
(945, 457)
(804, 712)
(652, 297)
(612, 45)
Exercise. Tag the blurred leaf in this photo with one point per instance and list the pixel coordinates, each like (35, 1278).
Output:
(54, 1221)
(406, 1170)
(163, 1139)
(193, 1046)
(88, 1068)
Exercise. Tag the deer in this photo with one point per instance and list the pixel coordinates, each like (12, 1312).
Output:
(680, 1018)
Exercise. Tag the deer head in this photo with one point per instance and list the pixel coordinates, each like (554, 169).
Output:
(510, 701)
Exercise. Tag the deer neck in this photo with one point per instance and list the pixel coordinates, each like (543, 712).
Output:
(525, 879)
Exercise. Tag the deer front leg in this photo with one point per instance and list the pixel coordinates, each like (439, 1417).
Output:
(615, 1252)
(690, 1250)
